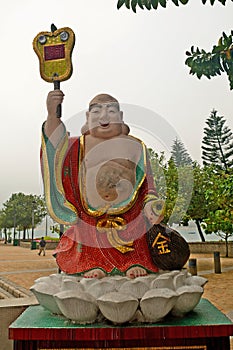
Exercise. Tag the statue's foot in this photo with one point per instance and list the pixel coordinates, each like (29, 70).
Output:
(136, 271)
(95, 273)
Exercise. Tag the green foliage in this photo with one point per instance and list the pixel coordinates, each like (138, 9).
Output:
(202, 194)
(17, 211)
(219, 194)
(179, 154)
(215, 62)
(158, 166)
(154, 4)
(199, 205)
(5, 221)
(184, 194)
(217, 143)
(174, 184)
(172, 201)
(55, 228)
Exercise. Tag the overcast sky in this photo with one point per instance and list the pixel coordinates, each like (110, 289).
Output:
(138, 58)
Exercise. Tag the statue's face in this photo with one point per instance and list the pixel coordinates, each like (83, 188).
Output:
(105, 120)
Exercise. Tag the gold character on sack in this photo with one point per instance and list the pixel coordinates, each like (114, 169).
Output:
(162, 244)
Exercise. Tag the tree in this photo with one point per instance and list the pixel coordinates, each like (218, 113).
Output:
(215, 62)
(4, 224)
(172, 184)
(166, 181)
(179, 182)
(154, 4)
(158, 166)
(23, 211)
(199, 205)
(217, 143)
(219, 195)
(179, 154)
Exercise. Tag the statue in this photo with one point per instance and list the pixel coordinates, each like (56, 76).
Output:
(101, 184)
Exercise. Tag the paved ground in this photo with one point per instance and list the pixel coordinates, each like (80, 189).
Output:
(219, 289)
(22, 266)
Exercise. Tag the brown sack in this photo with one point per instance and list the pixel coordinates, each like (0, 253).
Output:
(168, 249)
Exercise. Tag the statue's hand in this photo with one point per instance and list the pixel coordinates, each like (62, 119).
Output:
(54, 128)
(155, 216)
(54, 99)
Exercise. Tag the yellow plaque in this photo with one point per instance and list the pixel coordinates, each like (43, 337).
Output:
(54, 51)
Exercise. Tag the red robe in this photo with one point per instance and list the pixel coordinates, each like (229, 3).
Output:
(83, 246)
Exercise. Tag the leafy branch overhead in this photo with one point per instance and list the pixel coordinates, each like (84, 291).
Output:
(154, 4)
(213, 63)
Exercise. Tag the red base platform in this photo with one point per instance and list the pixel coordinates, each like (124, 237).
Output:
(205, 328)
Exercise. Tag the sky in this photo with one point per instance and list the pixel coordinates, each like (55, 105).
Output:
(138, 58)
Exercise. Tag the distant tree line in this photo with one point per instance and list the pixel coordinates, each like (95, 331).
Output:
(21, 212)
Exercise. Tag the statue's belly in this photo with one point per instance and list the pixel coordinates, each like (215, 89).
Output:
(111, 183)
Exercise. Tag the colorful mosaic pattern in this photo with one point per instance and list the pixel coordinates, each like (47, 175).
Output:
(54, 51)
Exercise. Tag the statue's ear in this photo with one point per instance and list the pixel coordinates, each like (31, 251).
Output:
(125, 129)
(85, 128)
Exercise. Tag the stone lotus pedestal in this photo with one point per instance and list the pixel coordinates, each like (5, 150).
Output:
(204, 328)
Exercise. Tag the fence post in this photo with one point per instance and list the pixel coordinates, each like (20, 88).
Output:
(217, 263)
(193, 266)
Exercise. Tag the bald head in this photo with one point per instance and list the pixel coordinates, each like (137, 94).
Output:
(103, 98)
(103, 101)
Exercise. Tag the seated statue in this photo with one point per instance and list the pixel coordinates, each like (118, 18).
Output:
(101, 185)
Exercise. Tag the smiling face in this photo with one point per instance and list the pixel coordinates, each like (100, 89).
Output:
(104, 119)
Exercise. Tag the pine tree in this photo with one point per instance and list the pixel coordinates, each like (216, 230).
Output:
(179, 154)
(217, 143)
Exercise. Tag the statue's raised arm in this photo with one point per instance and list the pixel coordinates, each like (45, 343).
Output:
(53, 127)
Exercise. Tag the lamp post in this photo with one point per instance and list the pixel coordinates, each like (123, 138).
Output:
(46, 225)
(33, 245)
(61, 230)
(60, 235)
(14, 223)
(15, 241)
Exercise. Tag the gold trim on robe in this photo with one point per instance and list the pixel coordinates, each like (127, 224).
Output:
(53, 189)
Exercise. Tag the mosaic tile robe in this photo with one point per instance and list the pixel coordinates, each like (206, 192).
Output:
(112, 239)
